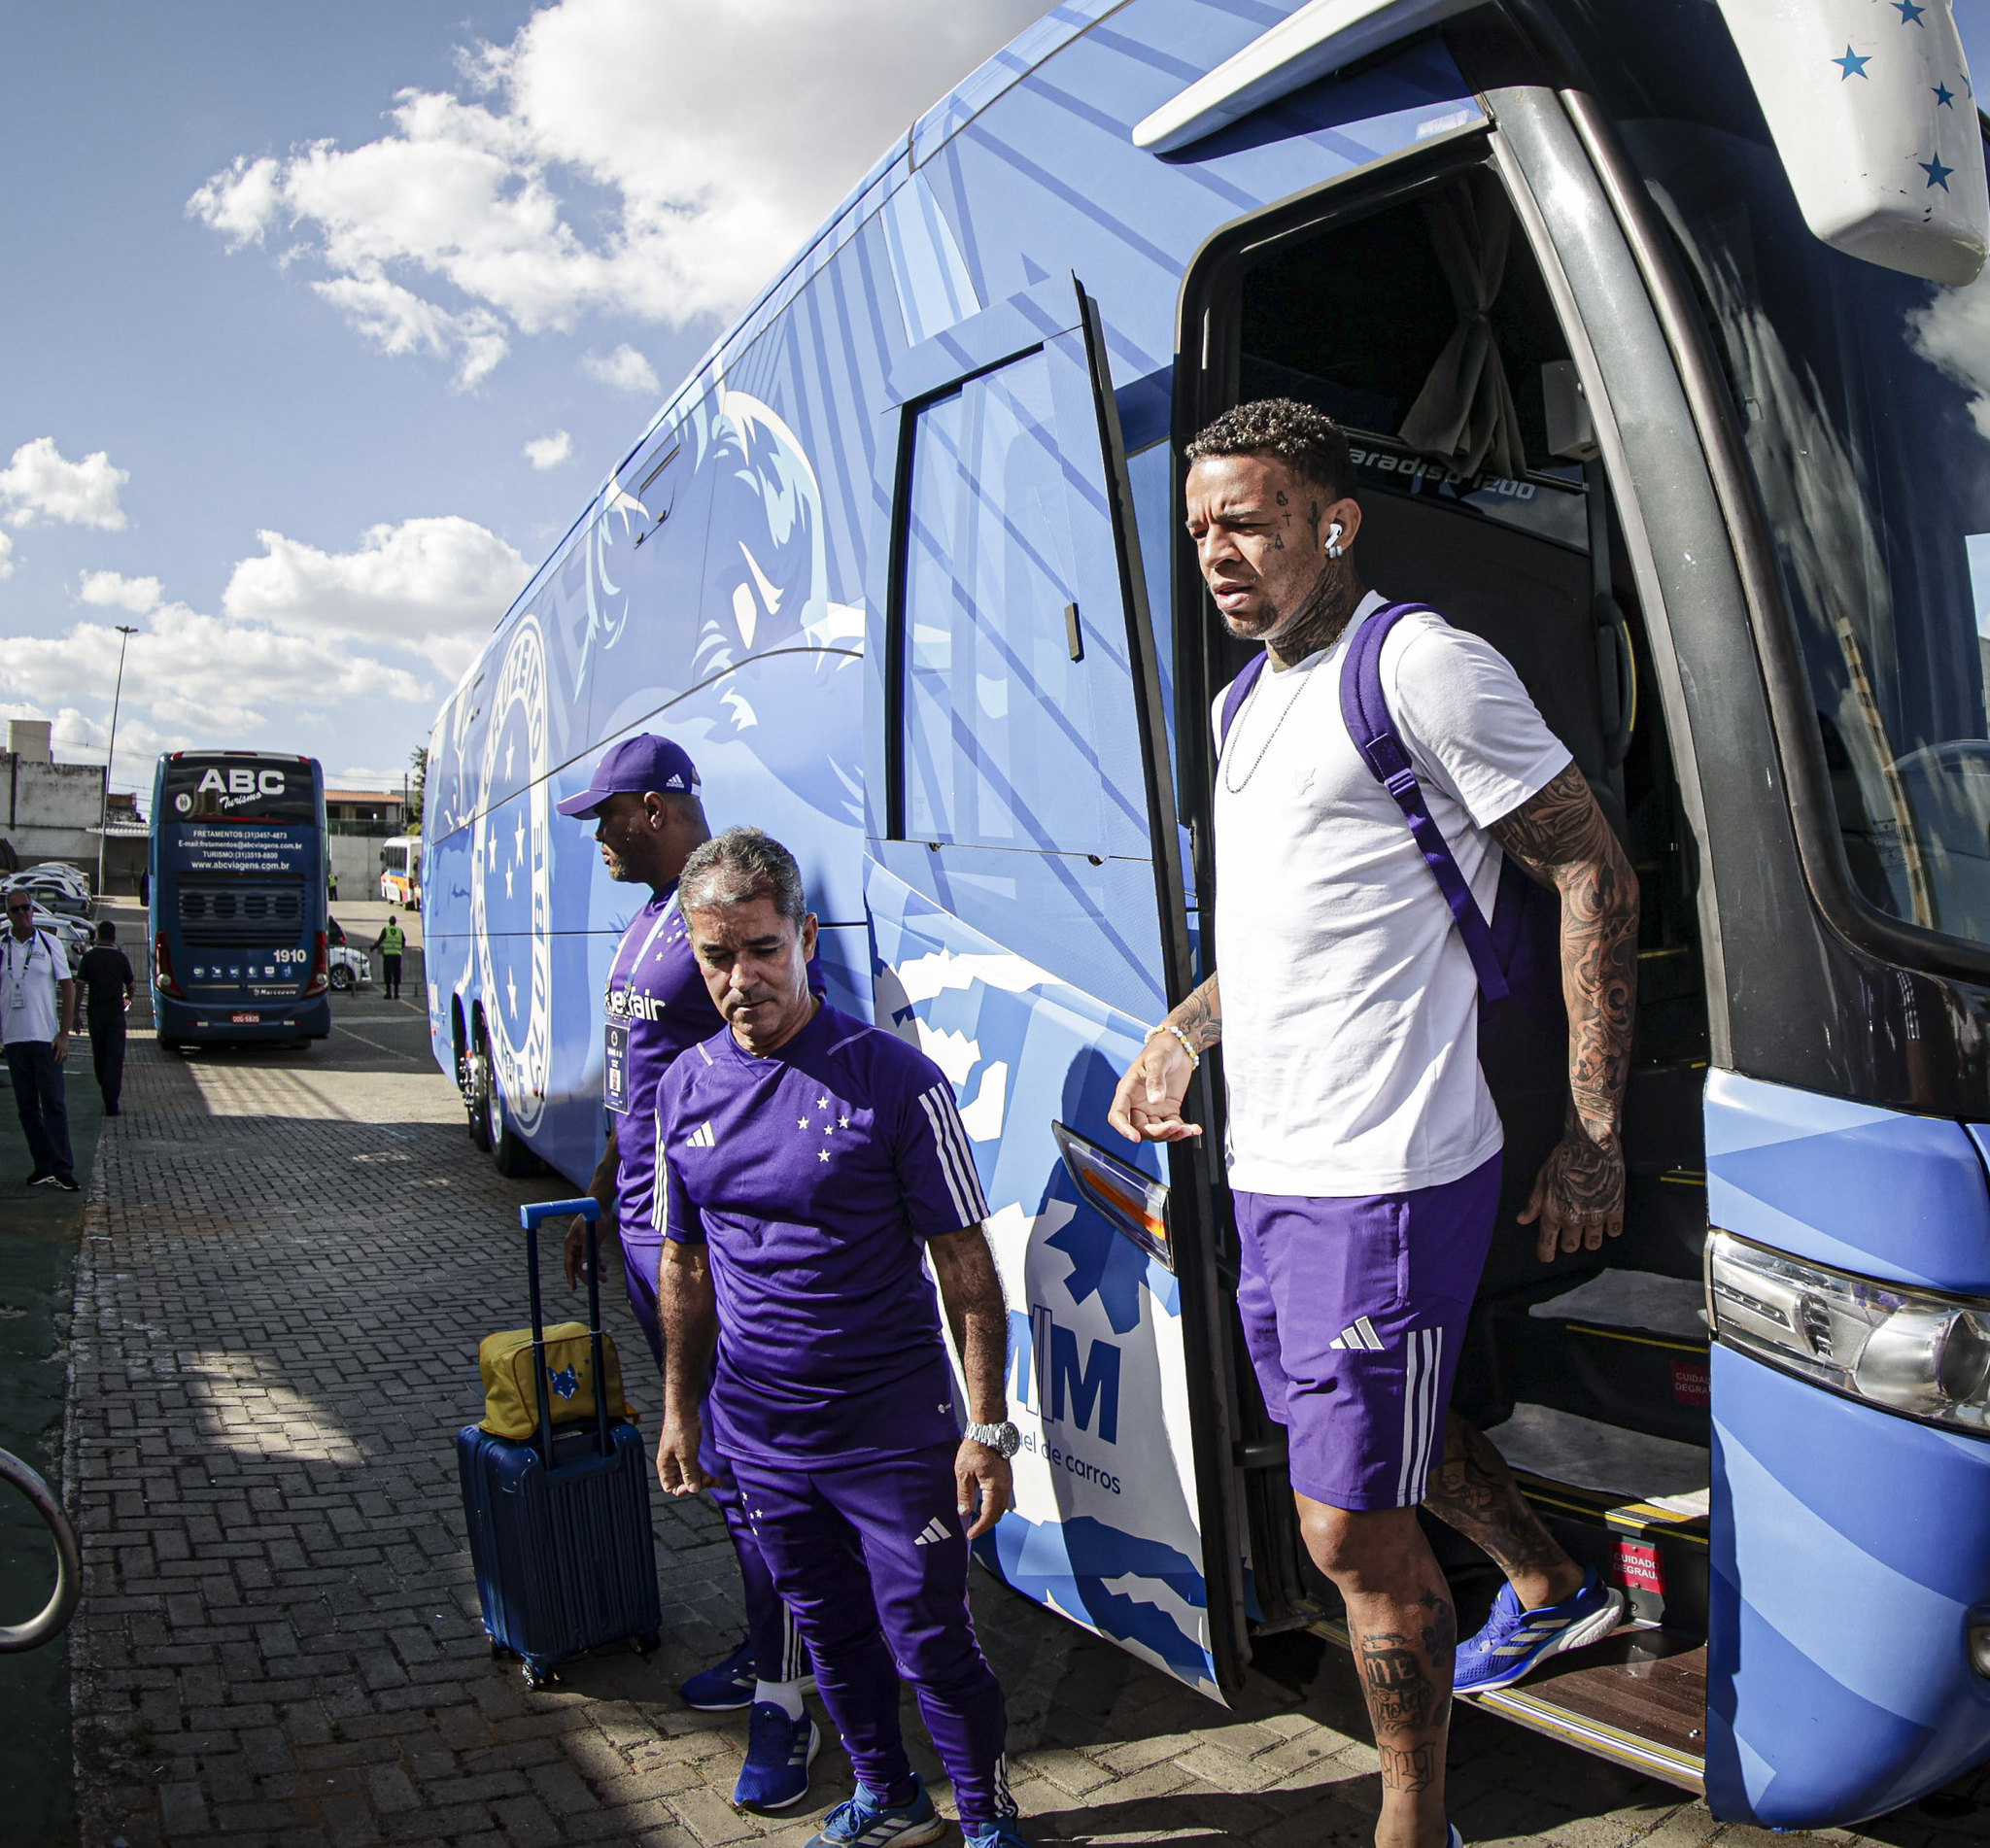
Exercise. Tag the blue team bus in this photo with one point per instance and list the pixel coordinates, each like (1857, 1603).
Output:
(236, 869)
(1657, 334)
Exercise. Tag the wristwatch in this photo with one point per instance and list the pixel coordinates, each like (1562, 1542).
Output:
(1003, 1437)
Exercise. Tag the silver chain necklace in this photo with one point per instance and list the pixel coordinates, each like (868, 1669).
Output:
(1249, 706)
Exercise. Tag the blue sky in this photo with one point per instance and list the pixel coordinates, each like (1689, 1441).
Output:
(319, 323)
(311, 377)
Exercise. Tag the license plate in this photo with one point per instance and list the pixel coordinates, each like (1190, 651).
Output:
(245, 1019)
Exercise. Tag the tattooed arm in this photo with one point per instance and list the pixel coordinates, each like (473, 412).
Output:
(1561, 837)
(1147, 1105)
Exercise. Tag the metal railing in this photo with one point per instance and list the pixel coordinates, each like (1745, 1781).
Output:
(54, 1618)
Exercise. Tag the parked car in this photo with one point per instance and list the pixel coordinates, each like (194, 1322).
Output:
(75, 935)
(347, 967)
(58, 887)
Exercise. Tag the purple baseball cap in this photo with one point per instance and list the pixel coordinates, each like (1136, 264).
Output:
(637, 765)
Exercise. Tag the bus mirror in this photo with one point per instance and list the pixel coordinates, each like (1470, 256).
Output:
(1874, 119)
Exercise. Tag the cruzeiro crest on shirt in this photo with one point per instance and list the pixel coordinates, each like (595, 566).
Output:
(510, 887)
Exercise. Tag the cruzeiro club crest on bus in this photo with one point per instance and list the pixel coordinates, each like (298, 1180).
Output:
(510, 897)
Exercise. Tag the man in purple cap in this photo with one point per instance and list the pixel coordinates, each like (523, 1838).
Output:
(812, 1166)
(644, 801)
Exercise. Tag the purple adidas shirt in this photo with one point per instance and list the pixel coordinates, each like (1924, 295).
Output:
(815, 1176)
(657, 1005)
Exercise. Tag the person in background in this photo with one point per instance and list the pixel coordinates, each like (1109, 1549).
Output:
(391, 943)
(105, 975)
(643, 802)
(331, 887)
(37, 1010)
(813, 1165)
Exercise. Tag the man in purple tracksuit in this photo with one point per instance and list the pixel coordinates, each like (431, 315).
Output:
(644, 801)
(812, 1163)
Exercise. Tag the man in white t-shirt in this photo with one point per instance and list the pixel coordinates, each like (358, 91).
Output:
(37, 1010)
(1364, 1148)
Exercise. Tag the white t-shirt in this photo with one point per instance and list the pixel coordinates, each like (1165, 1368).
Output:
(1350, 1002)
(29, 1006)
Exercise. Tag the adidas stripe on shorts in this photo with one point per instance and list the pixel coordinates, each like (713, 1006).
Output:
(1355, 1311)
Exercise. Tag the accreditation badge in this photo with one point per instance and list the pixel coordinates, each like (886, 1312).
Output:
(615, 1066)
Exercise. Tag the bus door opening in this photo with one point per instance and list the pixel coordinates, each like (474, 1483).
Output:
(1421, 321)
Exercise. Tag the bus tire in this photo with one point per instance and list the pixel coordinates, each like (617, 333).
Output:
(477, 1100)
(512, 1159)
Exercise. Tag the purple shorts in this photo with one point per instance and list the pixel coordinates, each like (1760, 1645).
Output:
(1354, 1309)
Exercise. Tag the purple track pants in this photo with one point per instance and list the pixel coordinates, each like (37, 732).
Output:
(872, 1558)
(778, 1651)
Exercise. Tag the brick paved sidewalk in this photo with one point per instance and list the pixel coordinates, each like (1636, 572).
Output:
(285, 1274)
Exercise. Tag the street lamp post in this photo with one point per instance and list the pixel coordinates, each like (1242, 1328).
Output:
(128, 630)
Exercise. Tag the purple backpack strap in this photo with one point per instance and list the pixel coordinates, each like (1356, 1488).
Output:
(1373, 730)
(1240, 691)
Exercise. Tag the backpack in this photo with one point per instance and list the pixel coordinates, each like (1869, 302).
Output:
(1516, 956)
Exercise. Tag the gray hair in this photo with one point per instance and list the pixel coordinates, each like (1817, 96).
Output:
(738, 867)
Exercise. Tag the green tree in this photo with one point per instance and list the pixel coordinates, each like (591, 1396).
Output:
(418, 763)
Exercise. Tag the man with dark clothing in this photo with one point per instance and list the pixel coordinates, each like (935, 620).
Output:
(37, 1008)
(105, 972)
(391, 942)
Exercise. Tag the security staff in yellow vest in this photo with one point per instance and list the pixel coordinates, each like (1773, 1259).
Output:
(391, 942)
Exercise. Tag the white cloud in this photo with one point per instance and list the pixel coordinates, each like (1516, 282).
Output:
(435, 584)
(706, 195)
(39, 481)
(626, 369)
(549, 452)
(6, 555)
(398, 321)
(108, 591)
(200, 674)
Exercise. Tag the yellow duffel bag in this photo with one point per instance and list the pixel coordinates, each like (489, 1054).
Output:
(511, 1403)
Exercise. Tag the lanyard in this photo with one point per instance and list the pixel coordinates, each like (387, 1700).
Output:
(27, 962)
(663, 917)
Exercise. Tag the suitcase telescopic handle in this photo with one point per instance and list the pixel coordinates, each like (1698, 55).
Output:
(531, 1217)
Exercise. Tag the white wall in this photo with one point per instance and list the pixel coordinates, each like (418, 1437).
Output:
(46, 811)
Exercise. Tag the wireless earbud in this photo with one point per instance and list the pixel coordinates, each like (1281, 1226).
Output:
(1334, 547)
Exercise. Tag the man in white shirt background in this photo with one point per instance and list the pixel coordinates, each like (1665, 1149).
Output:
(1364, 1146)
(37, 1008)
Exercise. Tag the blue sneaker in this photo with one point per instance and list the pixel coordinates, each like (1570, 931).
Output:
(725, 1686)
(1515, 1642)
(1003, 1833)
(779, 1754)
(867, 1821)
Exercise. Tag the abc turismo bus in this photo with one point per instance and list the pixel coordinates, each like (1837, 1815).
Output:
(238, 918)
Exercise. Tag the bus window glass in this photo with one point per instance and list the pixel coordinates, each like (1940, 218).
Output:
(1152, 476)
(246, 789)
(997, 713)
(1864, 398)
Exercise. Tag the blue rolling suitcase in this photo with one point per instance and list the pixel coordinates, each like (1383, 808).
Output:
(558, 1523)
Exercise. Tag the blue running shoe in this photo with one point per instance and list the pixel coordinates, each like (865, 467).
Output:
(779, 1754)
(867, 1821)
(1003, 1833)
(725, 1686)
(1515, 1642)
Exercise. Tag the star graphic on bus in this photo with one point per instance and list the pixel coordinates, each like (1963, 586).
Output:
(1852, 64)
(1944, 97)
(1938, 174)
(1910, 14)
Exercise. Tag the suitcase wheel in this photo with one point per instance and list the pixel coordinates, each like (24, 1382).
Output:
(535, 1677)
(499, 1652)
(646, 1646)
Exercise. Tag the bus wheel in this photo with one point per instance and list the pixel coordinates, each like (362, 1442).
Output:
(512, 1159)
(477, 1093)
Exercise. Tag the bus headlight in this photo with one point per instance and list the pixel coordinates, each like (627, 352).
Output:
(1912, 1350)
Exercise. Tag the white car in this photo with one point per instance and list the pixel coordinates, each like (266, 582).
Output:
(75, 935)
(346, 968)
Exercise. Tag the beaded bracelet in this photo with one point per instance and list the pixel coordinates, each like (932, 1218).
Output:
(1194, 1057)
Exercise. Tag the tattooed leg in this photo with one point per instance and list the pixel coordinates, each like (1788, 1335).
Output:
(1405, 1638)
(1474, 1491)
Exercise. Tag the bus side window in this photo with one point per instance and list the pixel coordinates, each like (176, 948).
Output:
(997, 700)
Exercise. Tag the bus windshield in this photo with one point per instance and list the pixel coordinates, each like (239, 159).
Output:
(1864, 399)
(276, 790)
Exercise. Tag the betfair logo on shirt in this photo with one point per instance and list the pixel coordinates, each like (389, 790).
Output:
(641, 1007)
